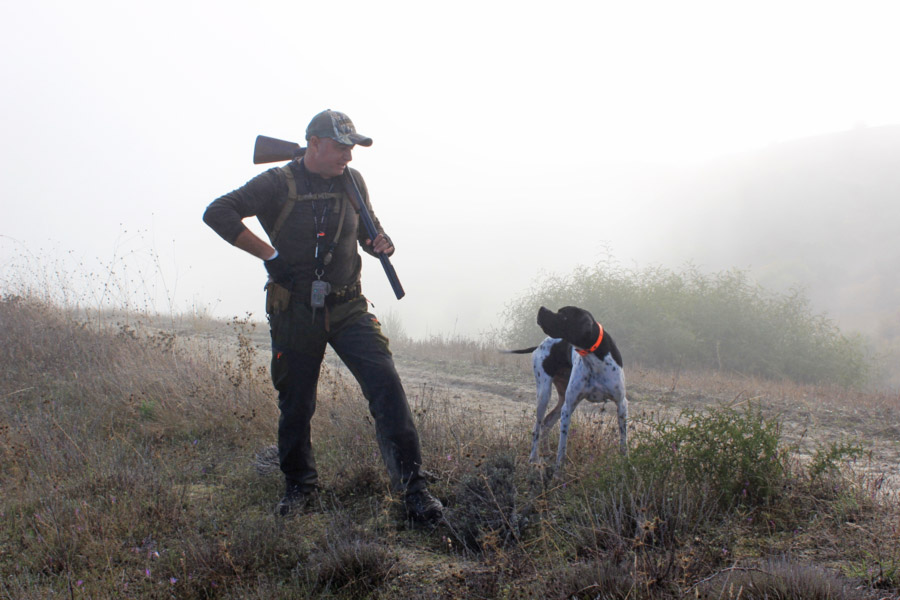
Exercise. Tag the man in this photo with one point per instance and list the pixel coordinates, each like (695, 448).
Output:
(303, 208)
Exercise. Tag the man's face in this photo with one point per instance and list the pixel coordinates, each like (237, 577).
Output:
(330, 158)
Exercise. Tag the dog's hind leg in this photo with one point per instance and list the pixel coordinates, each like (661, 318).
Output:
(553, 416)
(543, 382)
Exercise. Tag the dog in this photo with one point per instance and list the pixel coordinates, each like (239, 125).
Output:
(582, 361)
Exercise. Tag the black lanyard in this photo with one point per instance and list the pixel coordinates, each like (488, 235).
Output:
(320, 230)
(322, 258)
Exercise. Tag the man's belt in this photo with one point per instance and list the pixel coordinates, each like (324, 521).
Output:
(343, 294)
(338, 295)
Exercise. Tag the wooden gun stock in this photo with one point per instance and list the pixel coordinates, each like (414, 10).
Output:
(268, 149)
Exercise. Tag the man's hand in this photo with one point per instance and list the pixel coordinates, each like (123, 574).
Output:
(278, 269)
(382, 245)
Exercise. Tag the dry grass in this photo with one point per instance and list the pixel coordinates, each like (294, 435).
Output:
(127, 470)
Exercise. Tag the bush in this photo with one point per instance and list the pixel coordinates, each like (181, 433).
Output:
(688, 319)
(735, 455)
(487, 505)
(681, 480)
(346, 560)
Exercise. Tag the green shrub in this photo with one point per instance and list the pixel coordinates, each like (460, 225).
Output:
(680, 479)
(827, 460)
(689, 319)
(735, 455)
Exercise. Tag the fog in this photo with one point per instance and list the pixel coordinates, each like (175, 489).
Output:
(510, 140)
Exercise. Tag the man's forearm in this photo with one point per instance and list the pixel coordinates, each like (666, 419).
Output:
(251, 243)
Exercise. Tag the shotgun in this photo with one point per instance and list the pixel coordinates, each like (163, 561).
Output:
(269, 149)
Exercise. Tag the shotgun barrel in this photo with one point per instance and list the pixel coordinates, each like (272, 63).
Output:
(371, 230)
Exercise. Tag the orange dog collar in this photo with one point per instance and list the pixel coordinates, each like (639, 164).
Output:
(595, 346)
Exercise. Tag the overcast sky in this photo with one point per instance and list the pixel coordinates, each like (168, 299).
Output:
(511, 138)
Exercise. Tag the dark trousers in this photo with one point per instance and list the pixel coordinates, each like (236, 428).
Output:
(298, 347)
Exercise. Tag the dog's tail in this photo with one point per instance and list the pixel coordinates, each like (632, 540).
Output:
(522, 351)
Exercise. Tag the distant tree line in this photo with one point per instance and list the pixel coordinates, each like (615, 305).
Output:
(693, 320)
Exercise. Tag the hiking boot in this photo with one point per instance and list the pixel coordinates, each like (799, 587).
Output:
(423, 507)
(294, 501)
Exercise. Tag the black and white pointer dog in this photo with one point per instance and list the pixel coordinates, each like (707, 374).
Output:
(582, 362)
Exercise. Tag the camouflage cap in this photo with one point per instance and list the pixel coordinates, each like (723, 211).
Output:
(337, 126)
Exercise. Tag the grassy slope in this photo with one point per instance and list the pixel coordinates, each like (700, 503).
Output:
(127, 469)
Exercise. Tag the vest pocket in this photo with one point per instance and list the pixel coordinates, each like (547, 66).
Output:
(278, 298)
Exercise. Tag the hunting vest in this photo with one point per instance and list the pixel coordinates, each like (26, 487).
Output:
(292, 199)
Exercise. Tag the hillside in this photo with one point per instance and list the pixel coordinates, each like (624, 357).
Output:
(134, 463)
(819, 213)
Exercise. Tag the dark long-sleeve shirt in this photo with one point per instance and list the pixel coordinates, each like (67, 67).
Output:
(266, 194)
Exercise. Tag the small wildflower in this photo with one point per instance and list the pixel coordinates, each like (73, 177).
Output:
(147, 572)
(449, 457)
(172, 580)
(79, 583)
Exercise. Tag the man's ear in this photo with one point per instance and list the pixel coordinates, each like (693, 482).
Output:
(313, 143)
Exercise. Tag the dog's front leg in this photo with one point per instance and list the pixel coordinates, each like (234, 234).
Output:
(565, 418)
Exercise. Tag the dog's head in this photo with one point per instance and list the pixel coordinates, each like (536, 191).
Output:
(572, 324)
